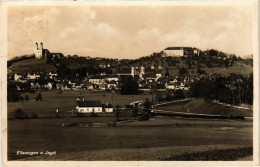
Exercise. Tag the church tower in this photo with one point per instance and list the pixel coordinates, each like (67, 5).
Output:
(142, 71)
(38, 50)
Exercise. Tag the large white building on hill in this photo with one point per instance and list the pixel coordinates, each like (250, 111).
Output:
(180, 51)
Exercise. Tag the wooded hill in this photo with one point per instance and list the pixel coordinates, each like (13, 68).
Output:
(210, 61)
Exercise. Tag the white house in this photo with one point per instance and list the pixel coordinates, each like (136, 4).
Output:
(33, 76)
(111, 77)
(97, 79)
(17, 76)
(108, 108)
(89, 106)
(48, 86)
(170, 86)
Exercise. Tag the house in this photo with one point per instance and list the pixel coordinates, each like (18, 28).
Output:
(17, 76)
(111, 78)
(33, 76)
(52, 75)
(150, 77)
(169, 85)
(89, 106)
(22, 80)
(96, 79)
(112, 84)
(108, 108)
(127, 72)
(48, 86)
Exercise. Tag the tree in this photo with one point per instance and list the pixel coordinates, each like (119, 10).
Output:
(18, 113)
(159, 97)
(135, 112)
(117, 113)
(12, 93)
(38, 97)
(199, 71)
(179, 94)
(26, 97)
(21, 98)
(182, 71)
(147, 109)
(129, 86)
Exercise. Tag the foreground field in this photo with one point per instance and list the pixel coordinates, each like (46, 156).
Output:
(172, 153)
(157, 139)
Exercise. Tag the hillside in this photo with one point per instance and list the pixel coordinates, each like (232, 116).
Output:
(31, 65)
(202, 107)
(238, 67)
(173, 64)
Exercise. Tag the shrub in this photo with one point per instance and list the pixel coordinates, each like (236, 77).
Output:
(21, 98)
(38, 97)
(18, 113)
(34, 116)
(26, 97)
(93, 114)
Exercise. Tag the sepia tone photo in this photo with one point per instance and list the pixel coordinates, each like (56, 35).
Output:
(131, 82)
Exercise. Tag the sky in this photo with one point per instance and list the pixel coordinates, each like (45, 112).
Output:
(128, 31)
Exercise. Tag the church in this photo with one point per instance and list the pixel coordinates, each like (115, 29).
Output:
(41, 53)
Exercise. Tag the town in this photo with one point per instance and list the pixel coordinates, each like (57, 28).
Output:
(154, 79)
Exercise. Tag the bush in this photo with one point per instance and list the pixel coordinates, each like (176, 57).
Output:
(38, 97)
(93, 114)
(18, 113)
(26, 97)
(21, 98)
(34, 116)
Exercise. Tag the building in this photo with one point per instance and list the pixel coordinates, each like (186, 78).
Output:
(111, 78)
(89, 106)
(128, 71)
(108, 108)
(180, 51)
(33, 76)
(41, 53)
(97, 79)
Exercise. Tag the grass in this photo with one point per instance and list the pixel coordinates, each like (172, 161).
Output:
(215, 155)
(66, 102)
(31, 65)
(138, 154)
(49, 135)
(202, 107)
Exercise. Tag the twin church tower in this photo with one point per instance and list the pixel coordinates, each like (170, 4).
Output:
(41, 53)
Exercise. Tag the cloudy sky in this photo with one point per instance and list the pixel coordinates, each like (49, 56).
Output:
(129, 31)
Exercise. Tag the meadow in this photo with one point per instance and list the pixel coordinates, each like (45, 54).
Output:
(202, 107)
(66, 101)
(93, 138)
(135, 140)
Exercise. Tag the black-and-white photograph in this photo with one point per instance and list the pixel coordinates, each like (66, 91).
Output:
(138, 82)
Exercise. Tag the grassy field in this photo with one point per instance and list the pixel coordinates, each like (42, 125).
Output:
(128, 138)
(202, 107)
(93, 138)
(65, 102)
(239, 67)
(31, 65)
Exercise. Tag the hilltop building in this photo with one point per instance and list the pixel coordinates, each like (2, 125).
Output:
(41, 53)
(180, 51)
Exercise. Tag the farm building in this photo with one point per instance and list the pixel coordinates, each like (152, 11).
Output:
(89, 106)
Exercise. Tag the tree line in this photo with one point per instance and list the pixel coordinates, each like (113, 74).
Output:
(233, 89)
